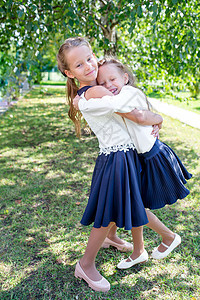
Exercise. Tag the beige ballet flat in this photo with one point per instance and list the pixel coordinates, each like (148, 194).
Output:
(125, 247)
(100, 286)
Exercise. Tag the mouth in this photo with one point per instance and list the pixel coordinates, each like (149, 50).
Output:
(90, 73)
(114, 91)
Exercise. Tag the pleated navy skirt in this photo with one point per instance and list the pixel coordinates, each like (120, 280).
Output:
(115, 194)
(163, 177)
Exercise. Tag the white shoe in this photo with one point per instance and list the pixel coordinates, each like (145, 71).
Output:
(125, 247)
(124, 264)
(159, 255)
(100, 286)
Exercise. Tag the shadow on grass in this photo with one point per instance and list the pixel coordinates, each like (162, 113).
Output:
(51, 280)
(31, 127)
(45, 181)
(54, 279)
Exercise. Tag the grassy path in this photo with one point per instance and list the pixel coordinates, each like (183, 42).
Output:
(45, 179)
(179, 99)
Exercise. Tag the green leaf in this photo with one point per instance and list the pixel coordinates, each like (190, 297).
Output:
(35, 27)
(71, 22)
(190, 43)
(34, 7)
(190, 33)
(130, 30)
(133, 13)
(20, 13)
(155, 8)
(29, 26)
(139, 10)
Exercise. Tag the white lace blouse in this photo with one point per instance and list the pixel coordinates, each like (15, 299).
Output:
(112, 131)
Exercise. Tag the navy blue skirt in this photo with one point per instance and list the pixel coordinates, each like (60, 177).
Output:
(163, 177)
(115, 194)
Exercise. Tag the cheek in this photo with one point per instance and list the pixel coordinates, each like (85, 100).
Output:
(94, 62)
(123, 82)
(119, 83)
(99, 78)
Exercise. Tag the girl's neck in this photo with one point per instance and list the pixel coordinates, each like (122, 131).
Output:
(91, 83)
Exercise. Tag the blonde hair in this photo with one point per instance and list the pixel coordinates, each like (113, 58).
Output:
(72, 84)
(123, 69)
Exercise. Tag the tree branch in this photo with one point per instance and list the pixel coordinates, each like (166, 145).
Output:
(102, 2)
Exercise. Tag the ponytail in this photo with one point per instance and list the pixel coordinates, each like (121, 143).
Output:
(71, 86)
(73, 114)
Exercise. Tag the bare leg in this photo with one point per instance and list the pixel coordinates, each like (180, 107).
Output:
(139, 254)
(156, 225)
(95, 241)
(138, 242)
(112, 235)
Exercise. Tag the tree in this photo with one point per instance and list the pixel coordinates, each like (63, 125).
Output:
(155, 36)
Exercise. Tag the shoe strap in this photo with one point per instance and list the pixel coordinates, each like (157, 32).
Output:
(165, 245)
(135, 258)
(130, 259)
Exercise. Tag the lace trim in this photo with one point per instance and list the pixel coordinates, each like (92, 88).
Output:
(115, 148)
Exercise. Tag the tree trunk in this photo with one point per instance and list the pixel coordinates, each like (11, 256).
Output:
(111, 35)
(109, 31)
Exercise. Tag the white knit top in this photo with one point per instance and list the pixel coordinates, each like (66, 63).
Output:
(112, 132)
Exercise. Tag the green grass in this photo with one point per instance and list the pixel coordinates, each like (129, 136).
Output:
(180, 99)
(52, 83)
(45, 180)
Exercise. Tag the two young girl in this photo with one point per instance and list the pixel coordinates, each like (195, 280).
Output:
(115, 196)
(156, 157)
(163, 174)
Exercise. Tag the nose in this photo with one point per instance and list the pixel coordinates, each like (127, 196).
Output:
(88, 65)
(108, 84)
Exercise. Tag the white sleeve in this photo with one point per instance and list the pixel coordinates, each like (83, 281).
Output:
(96, 106)
(127, 100)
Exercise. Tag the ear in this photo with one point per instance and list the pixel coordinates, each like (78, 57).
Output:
(126, 78)
(69, 74)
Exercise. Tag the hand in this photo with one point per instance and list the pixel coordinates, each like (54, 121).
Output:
(155, 131)
(76, 101)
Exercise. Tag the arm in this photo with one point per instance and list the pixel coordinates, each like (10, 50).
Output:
(127, 100)
(143, 117)
(111, 103)
(107, 104)
(95, 106)
(94, 92)
(97, 91)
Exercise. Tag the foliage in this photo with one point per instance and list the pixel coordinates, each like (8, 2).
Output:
(157, 38)
(45, 179)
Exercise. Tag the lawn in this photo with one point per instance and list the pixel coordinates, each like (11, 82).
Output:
(180, 99)
(45, 180)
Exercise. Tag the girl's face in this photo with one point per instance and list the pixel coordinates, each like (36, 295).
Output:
(112, 78)
(82, 65)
